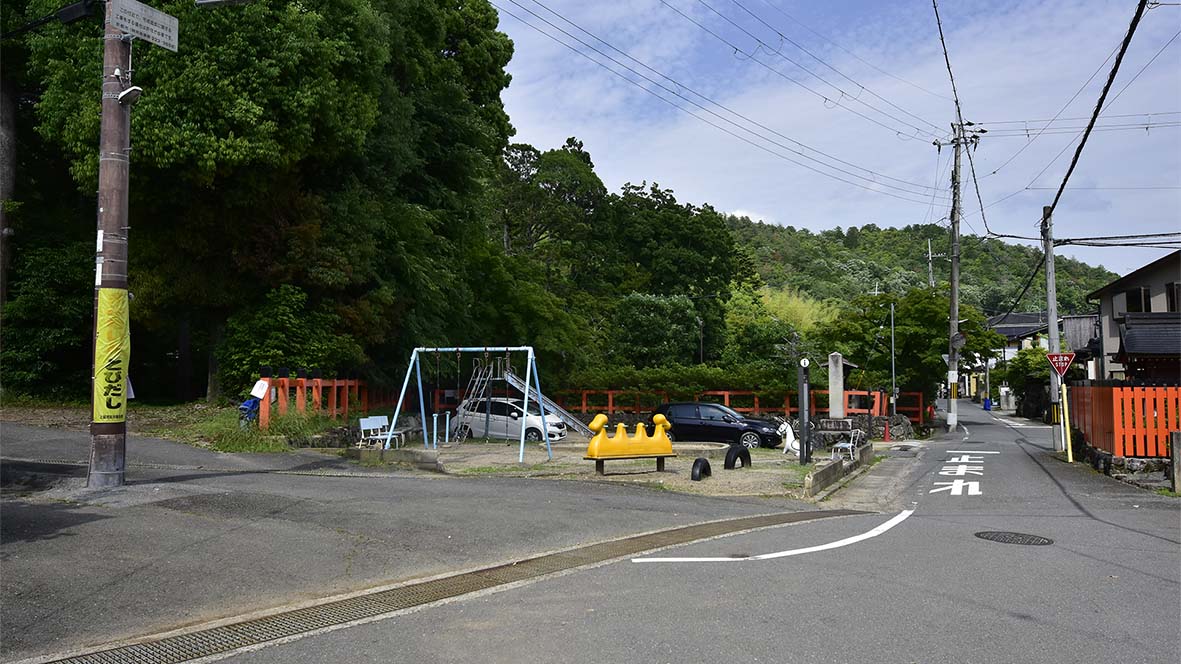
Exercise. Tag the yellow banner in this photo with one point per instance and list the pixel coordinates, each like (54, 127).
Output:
(112, 352)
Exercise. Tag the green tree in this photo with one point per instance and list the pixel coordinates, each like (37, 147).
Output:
(654, 330)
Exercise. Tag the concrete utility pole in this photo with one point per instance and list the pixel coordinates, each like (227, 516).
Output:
(1052, 316)
(930, 266)
(955, 340)
(112, 347)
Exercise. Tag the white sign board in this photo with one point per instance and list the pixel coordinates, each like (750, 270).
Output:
(259, 390)
(136, 18)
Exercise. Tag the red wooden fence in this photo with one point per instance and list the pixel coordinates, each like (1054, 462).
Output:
(330, 396)
(1126, 421)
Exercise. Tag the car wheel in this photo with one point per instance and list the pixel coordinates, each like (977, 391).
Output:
(670, 435)
(532, 435)
(464, 432)
(750, 440)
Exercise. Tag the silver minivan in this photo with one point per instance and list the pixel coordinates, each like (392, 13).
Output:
(501, 417)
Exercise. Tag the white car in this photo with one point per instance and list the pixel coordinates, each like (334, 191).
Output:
(501, 417)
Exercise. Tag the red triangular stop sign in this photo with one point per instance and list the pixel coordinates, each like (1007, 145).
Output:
(1060, 361)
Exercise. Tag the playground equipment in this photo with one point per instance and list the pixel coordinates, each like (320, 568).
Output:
(550, 406)
(530, 389)
(621, 446)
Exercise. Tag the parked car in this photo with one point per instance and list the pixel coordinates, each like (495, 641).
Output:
(703, 421)
(502, 417)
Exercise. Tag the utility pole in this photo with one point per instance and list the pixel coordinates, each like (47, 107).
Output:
(955, 340)
(930, 266)
(893, 373)
(1052, 316)
(112, 347)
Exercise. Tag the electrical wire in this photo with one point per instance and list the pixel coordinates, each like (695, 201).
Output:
(851, 53)
(1075, 119)
(703, 119)
(834, 69)
(751, 56)
(1102, 98)
(1025, 288)
(707, 99)
(1060, 111)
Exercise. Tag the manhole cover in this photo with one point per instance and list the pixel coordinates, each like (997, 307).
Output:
(1013, 538)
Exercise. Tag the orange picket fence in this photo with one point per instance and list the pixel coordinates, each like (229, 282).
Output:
(330, 396)
(1125, 421)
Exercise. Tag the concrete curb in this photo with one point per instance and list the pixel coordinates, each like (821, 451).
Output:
(825, 476)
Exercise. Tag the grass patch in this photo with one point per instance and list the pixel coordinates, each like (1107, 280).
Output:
(1168, 492)
(217, 428)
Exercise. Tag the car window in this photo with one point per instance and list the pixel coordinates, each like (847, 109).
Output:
(475, 406)
(712, 413)
(682, 412)
(500, 408)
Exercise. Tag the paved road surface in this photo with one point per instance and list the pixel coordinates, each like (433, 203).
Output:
(927, 590)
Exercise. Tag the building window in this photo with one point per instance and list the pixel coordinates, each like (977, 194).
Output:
(1173, 297)
(1136, 301)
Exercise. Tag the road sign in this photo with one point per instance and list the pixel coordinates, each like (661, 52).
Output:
(1060, 361)
(136, 18)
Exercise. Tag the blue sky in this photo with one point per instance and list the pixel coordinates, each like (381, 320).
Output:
(1013, 61)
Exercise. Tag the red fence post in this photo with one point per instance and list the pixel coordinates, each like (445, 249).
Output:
(332, 398)
(301, 396)
(264, 406)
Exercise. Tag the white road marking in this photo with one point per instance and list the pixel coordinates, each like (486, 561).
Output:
(956, 488)
(965, 431)
(791, 552)
(971, 452)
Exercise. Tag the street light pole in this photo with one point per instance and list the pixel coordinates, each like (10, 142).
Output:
(112, 345)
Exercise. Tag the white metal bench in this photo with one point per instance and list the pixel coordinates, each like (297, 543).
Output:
(375, 429)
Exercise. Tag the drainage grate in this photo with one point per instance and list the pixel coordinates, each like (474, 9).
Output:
(1013, 538)
(227, 638)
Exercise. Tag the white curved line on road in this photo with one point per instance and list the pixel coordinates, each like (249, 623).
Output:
(791, 552)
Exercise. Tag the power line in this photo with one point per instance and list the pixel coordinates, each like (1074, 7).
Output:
(1145, 188)
(834, 69)
(851, 53)
(751, 56)
(719, 105)
(1127, 126)
(1099, 105)
(1060, 110)
(1025, 288)
(1075, 119)
(703, 119)
(1109, 104)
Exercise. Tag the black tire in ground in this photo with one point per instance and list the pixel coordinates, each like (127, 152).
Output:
(700, 469)
(737, 453)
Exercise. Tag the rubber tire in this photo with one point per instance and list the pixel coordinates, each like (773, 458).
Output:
(735, 454)
(700, 469)
(532, 436)
(750, 440)
(670, 435)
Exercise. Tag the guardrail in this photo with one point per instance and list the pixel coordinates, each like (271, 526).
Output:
(1125, 421)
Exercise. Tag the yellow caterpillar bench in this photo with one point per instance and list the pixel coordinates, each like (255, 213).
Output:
(622, 446)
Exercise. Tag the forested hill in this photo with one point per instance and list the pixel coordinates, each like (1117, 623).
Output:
(838, 264)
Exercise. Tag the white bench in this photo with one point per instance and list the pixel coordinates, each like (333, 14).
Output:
(374, 431)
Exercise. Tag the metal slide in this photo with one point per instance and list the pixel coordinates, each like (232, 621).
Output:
(550, 406)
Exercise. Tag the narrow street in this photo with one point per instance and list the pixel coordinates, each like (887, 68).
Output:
(926, 590)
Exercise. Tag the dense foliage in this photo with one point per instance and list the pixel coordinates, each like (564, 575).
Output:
(330, 185)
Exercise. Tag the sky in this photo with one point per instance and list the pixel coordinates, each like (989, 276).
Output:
(825, 113)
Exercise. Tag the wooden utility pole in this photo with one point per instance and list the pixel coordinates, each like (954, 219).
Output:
(112, 347)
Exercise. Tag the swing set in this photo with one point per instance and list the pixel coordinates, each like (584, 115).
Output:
(478, 385)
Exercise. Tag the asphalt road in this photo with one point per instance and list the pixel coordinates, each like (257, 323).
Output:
(218, 535)
(927, 590)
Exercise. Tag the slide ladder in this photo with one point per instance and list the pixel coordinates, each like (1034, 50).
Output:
(551, 408)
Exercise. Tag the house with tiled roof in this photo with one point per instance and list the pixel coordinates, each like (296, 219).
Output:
(1140, 324)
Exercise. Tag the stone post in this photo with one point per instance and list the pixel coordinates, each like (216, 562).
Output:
(836, 385)
(1175, 456)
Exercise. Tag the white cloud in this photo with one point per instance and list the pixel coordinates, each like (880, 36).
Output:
(1016, 61)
